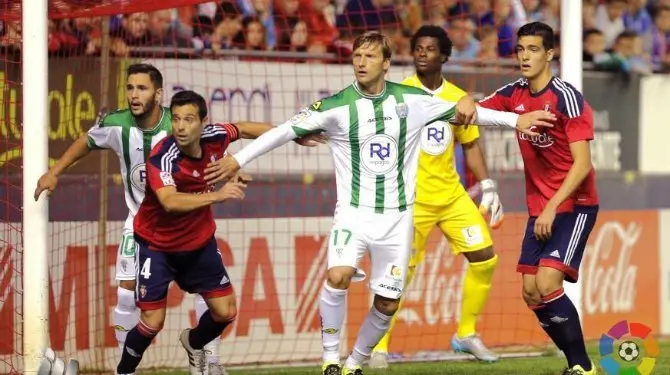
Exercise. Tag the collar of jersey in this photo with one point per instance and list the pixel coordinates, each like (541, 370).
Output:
(434, 92)
(158, 124)
(366, 96)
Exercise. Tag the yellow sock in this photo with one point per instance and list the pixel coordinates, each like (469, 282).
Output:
(383, 345)
(476, 288)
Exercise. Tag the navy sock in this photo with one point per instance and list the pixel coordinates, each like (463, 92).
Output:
(550, 329)
(137, 342)
(207, 330)
(564, 318)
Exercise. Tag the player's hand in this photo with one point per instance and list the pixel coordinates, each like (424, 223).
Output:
(232, 190)
(544, 222)
(528, 121)
(221, 170)
(47, 182)
(466, 111)
(490, 204)
(311, 140)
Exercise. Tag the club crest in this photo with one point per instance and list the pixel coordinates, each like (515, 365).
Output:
(401, 110)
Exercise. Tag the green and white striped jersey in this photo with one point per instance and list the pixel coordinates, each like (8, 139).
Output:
(374, 141)
(119, 132)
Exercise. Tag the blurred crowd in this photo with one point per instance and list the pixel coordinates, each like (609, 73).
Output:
(619, 35)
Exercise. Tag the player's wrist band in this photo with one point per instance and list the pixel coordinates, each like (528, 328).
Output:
(488, 185)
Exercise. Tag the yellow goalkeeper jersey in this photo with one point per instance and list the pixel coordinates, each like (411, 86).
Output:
(437, 180)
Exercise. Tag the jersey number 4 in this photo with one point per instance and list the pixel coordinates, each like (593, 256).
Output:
(146, 269)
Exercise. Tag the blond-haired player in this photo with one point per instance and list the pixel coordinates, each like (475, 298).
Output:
(441, 199)
(373, 128)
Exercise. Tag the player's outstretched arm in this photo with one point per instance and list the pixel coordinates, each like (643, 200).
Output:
(174, 201)
(267, 142)
(49, 180)
(490, 117)
(253, 130)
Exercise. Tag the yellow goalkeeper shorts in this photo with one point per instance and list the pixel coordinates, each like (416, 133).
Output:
(460, 221)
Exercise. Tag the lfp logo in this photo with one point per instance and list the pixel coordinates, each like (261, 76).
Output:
(628, 349)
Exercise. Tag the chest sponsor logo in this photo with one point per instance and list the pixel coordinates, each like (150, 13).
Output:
(379, 154)
(543, 140)
(436, 137)
(138, 176)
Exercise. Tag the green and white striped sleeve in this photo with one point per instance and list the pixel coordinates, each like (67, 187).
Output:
(99, 135)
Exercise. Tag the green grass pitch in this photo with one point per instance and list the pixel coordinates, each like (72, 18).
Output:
(544, 365)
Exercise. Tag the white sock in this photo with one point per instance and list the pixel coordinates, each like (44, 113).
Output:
(126, 315)
(332, 307)
(373, 329)
(211, 348)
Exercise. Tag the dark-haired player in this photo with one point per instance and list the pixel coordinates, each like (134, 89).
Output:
(174, 230)
(130, 133)
(560, 190)
(441, 199)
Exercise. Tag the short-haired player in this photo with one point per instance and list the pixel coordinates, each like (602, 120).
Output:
(131, 133)
(373, 128)
(442, 201)
(561, 190)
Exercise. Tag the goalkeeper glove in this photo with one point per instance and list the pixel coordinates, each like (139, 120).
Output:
(490, 204)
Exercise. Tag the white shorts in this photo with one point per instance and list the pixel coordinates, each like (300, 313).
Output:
(125, 259)
(389, 238)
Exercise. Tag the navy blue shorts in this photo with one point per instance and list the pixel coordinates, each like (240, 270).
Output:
(200, 271)
(564, 249)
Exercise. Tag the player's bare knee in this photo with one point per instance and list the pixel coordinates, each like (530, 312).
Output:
(223, 309)
(480, 255)
(127, 285)
(340, 277)
(386, 306)
(153, 318)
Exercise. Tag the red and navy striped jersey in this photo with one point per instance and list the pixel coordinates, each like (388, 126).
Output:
(168, 166)
(547, 157)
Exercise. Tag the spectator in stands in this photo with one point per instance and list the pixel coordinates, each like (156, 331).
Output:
(501, 13)
(163, 30)
(465, 45)
(134, 30)
(87, 31)
(437, 13)
(255, 35)
(551, 10)
(286, 18)
(364, 15)
(589, 14)
(262, 11)
(227, 27)
(594, 46)
(625, 56)
(533, 10)
(59, 40)
(488, 43)
(657, 42)
(320, 18)
(637, 17)
(609, 19)
(409, 14)
(203, 28)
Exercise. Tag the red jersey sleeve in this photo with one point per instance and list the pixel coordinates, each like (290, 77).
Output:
(579, 122)
(500, 100)
(162, 164)
(222, 133)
